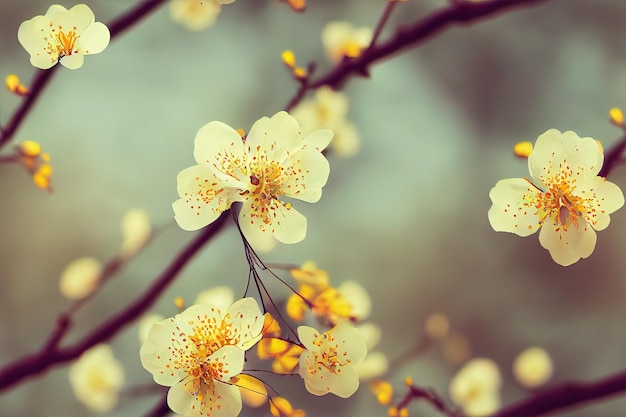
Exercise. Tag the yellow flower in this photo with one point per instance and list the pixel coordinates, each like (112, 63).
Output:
(272, 162)
(476, 387)
(64, 36)
(564, 197)
(341, 39)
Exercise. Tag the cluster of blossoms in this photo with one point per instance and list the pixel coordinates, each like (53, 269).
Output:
(564, 197)
(272, 161)
(196, 14)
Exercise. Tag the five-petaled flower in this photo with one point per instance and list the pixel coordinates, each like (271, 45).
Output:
(198, 351)
(272, 161)
(63, 36)
(564, 197)
(329, 362)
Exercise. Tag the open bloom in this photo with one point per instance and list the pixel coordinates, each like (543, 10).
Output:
(96, 378)
(329, 362)
(272, 161)
(342, 39)
(198, 351)
(564, 197)
(195, 14)
(63, 36)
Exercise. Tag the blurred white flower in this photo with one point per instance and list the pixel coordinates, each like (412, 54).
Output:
(96, 378)
(145, 324)
(221, 297)
(532, 367)
(198, 352)
(476, 387)
(80, 278)
(195, 14)
(64, 36)
(136, 232)
(328, 109)
(564, 197)
(375, 363)
(342, 39)
(274, 160)
(329, 362)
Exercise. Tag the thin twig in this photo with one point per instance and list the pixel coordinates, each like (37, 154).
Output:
(381, 23)
(42, 77)
(45, 358)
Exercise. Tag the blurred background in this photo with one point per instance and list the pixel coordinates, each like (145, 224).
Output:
(406, 217)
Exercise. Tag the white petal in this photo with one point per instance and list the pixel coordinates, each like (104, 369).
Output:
(74, 61)
(605, 198)
(221, 297)
(279, 136)
(555, 151)
(203, 197)
(567, 247)
(358, 298)
(229, 360)
(351, 341)
(345, 383)
(305, 175)
(94, 39)
(157, 358)
(307, 335)
(289, 225)
(220, 147)
(513, 207)
(196, 398)
(318, 140)
(247, 317)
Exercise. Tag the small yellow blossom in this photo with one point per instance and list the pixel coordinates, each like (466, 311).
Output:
(328, 363)
(136, 232)
(29, 155)
(523, 149)
(532, 367)
(476, 387)
(281, 407)
(383, 391)
(80, 278)
(616, 116)
(289, 59)
(179, 302)
(341, 39)
(14, 85)
(64, 36)
(272, 162)
(252, 390)
(297, 5)
(96, 378)
(564, 198)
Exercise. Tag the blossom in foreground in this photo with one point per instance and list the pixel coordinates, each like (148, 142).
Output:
(198, 352)
(328, 109)
(342, 39)
(564, 197)
(273, 161)
(476, 387)
(96, 378)
(64, 36)
(329, 362)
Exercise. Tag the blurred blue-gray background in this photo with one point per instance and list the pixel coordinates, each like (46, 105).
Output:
(406, 217)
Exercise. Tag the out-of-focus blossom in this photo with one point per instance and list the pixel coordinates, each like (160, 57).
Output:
(195, 15)
(476, 387)
(14, 85)
(96, 378)
(221, 296)
(532, 367)
(80, 278)
(281, 407)
(342, 39)
(252, 390)
(136, 232)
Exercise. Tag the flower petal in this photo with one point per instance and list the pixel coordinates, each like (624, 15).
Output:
(279, 136)
(513, 208)
(157, 357)
(247, 317)
(203, 197)
(310, 170)
(73, 61)
(221, 148)
(94, 39)
(307, 335)
(555, 151)
(567, 247)
(289, 225)
(195, 398)
(607, 198)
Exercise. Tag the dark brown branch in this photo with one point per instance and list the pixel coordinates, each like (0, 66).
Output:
(431, 397)
(47, 357)
(612, 157)
(42, 77)
(565, 396)
(419, 32)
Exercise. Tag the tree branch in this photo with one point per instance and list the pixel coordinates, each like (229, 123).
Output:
(564, 396)
(42, 77)
(50, 355)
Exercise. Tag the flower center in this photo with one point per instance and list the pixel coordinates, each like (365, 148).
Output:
(327, 356)
(66, 42)
(264, 188)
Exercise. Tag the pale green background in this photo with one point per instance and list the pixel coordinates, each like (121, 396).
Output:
(407, 217)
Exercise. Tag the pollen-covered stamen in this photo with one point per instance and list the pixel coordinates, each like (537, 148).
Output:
(265, 186)
(328, 356)
(66, 42)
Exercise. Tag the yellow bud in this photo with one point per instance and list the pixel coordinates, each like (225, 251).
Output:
(41, 181)
(270, 326)
(45, 170)
(616, 116)
(404, 412)
(30, 148)
(392, 412)
(179, 302)
(280, 406)
(523, 149)
(271, 347)
(408, 381)
(253, 391)
(289, 58)
(13, 84)
(299, 73)
(241, 132)
(383, 391)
